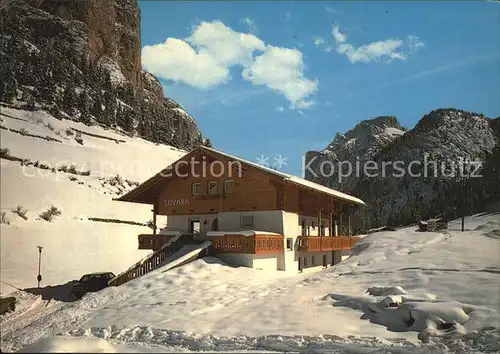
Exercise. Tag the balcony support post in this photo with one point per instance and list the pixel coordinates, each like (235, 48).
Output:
(349, 220)
(155, 209)
(341, 216)
(320, 232)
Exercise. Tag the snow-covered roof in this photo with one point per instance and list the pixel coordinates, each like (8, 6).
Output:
(293, 179)
(135, 194)
(246, 233)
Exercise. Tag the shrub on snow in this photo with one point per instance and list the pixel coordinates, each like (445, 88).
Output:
(50, 213)
(21, 212)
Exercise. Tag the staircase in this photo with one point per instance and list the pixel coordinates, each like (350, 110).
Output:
(157, 259)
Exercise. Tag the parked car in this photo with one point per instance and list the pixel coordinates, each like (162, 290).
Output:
(91, 283)
(7, 304)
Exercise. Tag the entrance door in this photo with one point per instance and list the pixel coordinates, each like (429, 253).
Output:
(300, 264)
(215, 225)
(194, 226)
(324, 261)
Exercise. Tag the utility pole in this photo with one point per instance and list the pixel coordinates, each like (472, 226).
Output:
(465, 192)
(39, 277)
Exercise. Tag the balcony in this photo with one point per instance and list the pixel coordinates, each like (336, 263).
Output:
(257, 244)
(152, 242)
(326, 243)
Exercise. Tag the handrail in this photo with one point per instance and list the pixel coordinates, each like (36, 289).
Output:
(152, 242)
(152, 262)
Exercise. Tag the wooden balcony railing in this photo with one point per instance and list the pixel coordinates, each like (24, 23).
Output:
(257, 244)
(326, 243)
(152, 242)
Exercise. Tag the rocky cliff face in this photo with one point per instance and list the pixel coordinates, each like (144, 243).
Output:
(428, 169)
(97, 44)
(359, 144)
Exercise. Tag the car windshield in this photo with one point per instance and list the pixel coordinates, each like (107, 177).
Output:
(96, 277)
(84, 279)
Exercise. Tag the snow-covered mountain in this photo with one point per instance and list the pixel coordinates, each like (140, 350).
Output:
(443, 138)
(81, 60)
(78, 169)
(362, 142)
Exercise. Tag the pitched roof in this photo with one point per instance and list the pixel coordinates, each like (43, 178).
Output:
(285, 176)
(294, 179)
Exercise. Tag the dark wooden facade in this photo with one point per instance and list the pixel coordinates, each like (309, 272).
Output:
(255, 189)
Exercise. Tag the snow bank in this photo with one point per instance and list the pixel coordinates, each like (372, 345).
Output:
(430, 318)
(69, 345)
(400, 292)
(62, 344)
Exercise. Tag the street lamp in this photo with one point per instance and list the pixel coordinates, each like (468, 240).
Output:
(39, 277)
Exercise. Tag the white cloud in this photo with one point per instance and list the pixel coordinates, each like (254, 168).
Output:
(337, 35)
(333, 11)
(228, 47)
(303, 104)
(288, 15)
(414, 44)
(252, 27)
(322, 44)
(318, 41)
(282, 69)
(380, 51)
(204, 59)
(279, 109)
(176, 60)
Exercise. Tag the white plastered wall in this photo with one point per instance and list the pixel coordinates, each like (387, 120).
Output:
(311, 221)
(318, 260)
(263, 221)
(181, 222)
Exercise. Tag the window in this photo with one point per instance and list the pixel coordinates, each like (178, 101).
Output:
(247, 222)
(305, 261)
(229, 186)
(289, 244)
(312, 225)
(212, 187)
(196, 188)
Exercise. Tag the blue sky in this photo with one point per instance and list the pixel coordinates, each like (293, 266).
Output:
(271, 78)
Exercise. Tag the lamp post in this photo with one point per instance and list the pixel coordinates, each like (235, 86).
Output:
(39, 277)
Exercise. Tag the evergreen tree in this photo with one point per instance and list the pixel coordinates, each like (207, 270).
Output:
(47, 91)
(129, 121)
(96, 108)
(110, 110)
(54, 111)
(126, 119)
(69, 100)
(84, 107)
(30, 102)
(10, 89)
(3, 90)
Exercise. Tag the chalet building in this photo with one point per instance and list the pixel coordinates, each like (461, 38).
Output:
(254, 216)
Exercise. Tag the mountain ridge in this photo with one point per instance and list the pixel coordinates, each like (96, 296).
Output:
(444, 136)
